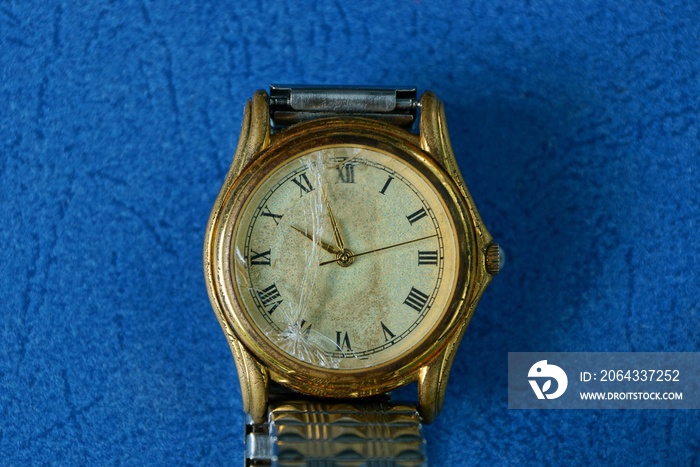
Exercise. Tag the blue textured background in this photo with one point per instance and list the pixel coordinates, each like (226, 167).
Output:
(576, 127)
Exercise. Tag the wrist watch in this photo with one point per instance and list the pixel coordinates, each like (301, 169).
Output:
(344, 258)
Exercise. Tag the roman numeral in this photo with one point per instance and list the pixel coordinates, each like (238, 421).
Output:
(416, 299)
(416, 216)
(388, 335)
(347, 173)
(386, 185)
(268, 213)
(342, 341)
(260, 258)
(429, 258)
(270, 296)
(302, 181)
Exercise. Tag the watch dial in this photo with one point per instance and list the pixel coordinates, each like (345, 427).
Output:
(345, 257)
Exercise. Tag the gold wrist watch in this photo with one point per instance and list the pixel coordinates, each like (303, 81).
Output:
(344, 258)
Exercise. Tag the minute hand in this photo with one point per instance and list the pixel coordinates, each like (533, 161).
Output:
(383, 248)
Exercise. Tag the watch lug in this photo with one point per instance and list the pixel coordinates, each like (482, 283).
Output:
(255, 133)
(253, 377)
(432, 379)
(435, 140)
(434, 137)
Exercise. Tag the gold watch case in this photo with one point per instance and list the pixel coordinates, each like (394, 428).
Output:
(259, 360)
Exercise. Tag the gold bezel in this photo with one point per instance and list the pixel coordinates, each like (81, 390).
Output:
(221, 272)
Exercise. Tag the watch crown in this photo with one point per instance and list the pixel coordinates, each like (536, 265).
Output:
(495, 258)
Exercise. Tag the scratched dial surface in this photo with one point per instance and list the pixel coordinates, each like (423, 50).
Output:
(345, 257)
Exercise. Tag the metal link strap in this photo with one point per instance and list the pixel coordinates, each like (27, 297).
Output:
(337, 434)
(294, 104)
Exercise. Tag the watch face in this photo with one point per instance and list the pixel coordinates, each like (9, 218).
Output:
(345, 256)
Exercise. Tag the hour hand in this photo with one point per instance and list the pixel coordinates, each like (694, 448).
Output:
(329, 248)
(334, 223)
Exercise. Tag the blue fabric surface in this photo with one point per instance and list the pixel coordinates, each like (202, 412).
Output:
(575, 125)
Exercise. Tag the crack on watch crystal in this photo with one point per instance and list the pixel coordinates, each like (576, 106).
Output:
(305, 343)
(295, 336)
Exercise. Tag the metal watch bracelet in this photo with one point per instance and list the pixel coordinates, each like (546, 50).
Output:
(294, 104)
(307, 432)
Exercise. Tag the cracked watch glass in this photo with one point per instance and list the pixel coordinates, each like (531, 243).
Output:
(346, 256)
